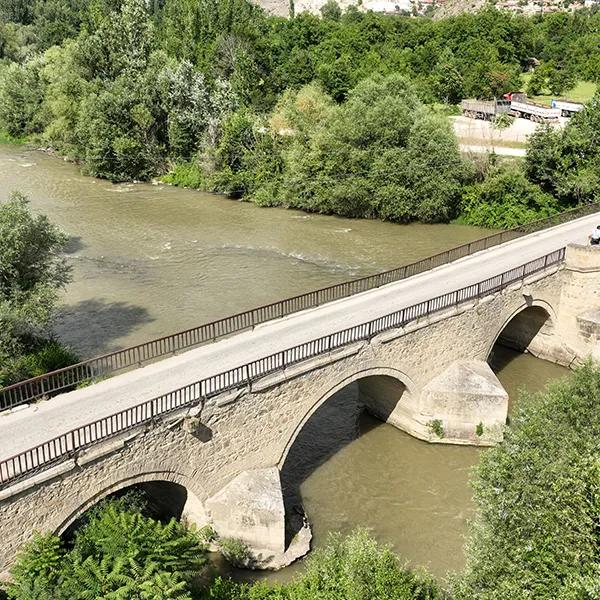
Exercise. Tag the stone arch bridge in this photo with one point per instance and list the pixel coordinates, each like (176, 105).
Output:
(223, 439)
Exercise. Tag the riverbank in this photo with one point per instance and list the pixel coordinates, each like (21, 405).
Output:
(150, 259)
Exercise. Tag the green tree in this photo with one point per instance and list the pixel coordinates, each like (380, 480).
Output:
(17, 11)
(117, 554)
(32, 272)
(538, 500)
(506, 199)
(21, 97)
(566, 162)
(379, 154)
(448, 82)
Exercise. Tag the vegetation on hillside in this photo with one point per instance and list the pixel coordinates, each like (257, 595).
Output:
(327, 114)
(33, 271)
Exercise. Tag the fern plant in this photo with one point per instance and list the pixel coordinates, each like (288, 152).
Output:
(117, 554)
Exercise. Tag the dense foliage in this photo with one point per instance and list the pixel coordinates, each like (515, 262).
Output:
(566, 163)
(506, 199)
(538, 499)
(354, 568)
(118, 554)
(32, 272)
(311, 112)
(380, 154)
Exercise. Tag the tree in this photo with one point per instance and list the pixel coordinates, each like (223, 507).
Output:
(566, 163)
(447, 80)
(21, 97)
(17, 11)
(379, 154)
(538, 500)
(32, 271)
(331, 10)
(506, 199)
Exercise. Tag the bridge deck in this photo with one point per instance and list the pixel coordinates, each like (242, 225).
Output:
(28, 427)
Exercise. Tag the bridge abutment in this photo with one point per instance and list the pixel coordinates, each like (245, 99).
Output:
(579, 310)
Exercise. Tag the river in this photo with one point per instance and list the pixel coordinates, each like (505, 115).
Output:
(149, 260)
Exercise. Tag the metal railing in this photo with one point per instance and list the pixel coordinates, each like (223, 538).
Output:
(102, 366)
(67, 446)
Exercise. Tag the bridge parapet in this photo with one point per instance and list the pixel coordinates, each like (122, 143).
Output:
(206, 435)
(106, 365)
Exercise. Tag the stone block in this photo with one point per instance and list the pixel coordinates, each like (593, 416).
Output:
(250, 509)
(582, 258)
(589, 323)
(465, 404)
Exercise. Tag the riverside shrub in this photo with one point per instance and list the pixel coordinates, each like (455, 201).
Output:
(538, 496)
(506, 199)
(118, 554)
(352, 568)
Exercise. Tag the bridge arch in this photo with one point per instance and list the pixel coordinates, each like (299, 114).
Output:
(405, 388)
(521, 327)
(190, 506)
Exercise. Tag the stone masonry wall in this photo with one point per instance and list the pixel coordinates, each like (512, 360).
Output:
(254, 429)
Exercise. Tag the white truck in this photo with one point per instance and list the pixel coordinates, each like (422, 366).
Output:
(567, 107)
(521, 106)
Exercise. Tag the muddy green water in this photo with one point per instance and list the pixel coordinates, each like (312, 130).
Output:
(150, 260)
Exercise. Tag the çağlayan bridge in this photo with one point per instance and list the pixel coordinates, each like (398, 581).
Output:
(218, 421)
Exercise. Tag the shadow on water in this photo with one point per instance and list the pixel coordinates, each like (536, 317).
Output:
(330, 428)
(92, 326)
(74, 245)
(501, 357)
(333, 426)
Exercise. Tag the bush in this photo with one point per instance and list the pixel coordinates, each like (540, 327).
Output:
(43, 356)
(538, 497)
(116, 553)
(354, 568)
(506, 199)
(187, 175)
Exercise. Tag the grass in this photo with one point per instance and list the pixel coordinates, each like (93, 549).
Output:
(582, 92)
(466, 141)
(6, 138)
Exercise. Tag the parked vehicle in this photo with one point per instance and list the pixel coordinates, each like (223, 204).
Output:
(567, 107)
(484, 109)
(521, 106)
(516, 104)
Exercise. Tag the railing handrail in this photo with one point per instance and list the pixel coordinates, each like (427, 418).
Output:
(104, 365)
(67, 445)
